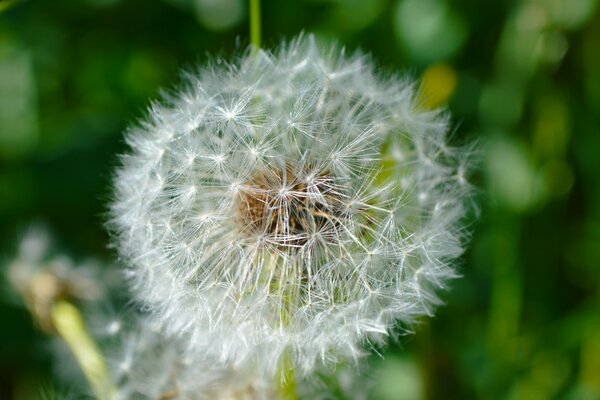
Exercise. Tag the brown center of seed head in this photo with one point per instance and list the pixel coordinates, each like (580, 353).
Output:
(288, 208)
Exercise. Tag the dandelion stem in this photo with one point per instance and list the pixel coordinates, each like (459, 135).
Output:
(255, 23)
(287, 384)
(285, 374)
(70, 326)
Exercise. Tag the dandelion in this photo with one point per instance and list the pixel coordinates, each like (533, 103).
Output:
(291, 205)
(146, 365)
(47, 285)
(41, 277)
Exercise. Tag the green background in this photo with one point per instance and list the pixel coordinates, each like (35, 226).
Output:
(521, 77)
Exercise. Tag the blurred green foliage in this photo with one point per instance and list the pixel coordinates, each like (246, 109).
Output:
(522, 77)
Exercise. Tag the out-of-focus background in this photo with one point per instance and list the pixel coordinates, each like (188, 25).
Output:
(522, 77)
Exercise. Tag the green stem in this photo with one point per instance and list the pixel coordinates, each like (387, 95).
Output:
(287, 380)
(285, 376)
(255, 23)
(70, 326)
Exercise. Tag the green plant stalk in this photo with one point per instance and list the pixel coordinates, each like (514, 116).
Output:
(255, 29)
(287, 379)
(69, 324)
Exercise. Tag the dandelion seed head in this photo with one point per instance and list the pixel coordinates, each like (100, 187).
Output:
(291, 202)
(146, 365)
(287, 209)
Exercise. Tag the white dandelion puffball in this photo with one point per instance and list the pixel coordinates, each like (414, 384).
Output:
(292, 202)
(145, 365)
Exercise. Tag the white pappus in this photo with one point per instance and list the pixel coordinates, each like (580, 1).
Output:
(146, 365)
(290, 203)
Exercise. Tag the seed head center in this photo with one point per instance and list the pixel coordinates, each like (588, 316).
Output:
(289, 208)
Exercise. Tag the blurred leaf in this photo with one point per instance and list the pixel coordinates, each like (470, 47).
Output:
(399, 379)
(429, 30)
(18, 113)
(511, 175)
(6, 4)
(354, 15)
(437, 85)
(570, 14)
(218, 15)
(501, 102)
